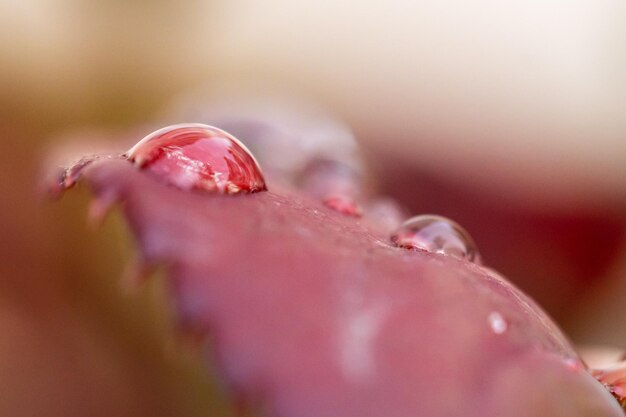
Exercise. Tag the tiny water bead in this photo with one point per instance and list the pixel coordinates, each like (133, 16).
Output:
(336, 184)
(497, 323)
(436, 234)
(199, 157)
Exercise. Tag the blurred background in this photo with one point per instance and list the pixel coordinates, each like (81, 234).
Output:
(509, 117)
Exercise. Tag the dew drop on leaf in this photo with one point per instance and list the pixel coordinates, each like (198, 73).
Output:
(436, 234)
(199, 157)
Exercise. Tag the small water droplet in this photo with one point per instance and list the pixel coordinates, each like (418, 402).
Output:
(497, 322)
(344, 205)
(200, 157)
(436, 234)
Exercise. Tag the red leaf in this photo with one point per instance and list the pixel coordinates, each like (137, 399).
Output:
(311, 313)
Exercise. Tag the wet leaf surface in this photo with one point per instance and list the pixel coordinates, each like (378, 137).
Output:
(312, 313)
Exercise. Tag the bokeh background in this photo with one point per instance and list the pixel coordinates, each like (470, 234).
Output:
(509, 117)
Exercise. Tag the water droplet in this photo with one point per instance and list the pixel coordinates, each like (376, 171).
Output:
(336, 184)
(436, 234)
(285, 133)
(344, 205)
(497, 322)
(201, 157)
(298, 144)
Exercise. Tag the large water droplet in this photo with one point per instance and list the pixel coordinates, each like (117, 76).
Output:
(197, 156)
(436, 234)
(285, 133)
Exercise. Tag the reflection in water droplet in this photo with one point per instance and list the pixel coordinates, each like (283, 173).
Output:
(497, 322)
(201, 157)
(436, 234)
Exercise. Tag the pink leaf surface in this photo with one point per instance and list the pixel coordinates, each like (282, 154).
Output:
(314, 313)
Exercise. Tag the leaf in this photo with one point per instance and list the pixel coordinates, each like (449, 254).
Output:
(311, 313)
